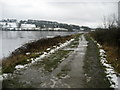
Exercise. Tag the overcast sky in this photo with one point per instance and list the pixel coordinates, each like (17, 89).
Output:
(79, 12)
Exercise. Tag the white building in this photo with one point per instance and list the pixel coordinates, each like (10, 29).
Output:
(60, 29)
(12, 25)
(50, 29)
(82, 29)
(28, 26)
(8, 25)
(2, 24)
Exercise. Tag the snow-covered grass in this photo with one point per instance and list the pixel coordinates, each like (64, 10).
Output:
(109, 70)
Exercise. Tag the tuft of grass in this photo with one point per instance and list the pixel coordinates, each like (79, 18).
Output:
(51, 62)
(75, 43)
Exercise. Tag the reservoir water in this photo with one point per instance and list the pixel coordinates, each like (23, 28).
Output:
(11, 40)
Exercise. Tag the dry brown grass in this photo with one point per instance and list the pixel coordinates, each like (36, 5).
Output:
(19, 55)
(113, 56)
(110, 40)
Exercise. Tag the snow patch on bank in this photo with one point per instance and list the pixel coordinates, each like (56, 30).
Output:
(109, 70)
(18, 67)
(52, 51)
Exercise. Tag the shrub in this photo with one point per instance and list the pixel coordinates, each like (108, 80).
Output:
(110, 40)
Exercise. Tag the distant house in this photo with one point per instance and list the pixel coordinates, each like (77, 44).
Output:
(2, 24)
(11, 26)
(50, 29)
(82, 29)
(85, 28)
(60, 29)
(8, 25)
(28, 26)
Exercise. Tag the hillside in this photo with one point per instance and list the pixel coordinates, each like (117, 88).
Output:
(13, 24)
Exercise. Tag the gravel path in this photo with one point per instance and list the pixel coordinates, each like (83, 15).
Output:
(69, 73)
(81, 69)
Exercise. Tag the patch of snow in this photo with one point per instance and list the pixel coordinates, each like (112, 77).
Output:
(28, 60)
(32, 61)
(44, 85)
(111, 74)
(45, 53)
(99, 45)
(52, 51)
(19, 66)
(50, 36)
(28, 53)
(88, 79)
(48, 49)
(6, 75)
(102, 51)
(62, 59)
(66, 76)
(54, 82)
(54, 46)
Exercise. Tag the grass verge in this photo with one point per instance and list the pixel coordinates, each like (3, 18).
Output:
(110, 41)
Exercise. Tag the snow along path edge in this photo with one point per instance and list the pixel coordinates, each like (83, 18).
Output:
(112, 75)
(109, 70)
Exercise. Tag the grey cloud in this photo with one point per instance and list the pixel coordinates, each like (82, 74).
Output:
(81, 12)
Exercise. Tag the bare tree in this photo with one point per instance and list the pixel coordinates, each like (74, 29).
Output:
(110, 21)
(104, 22)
